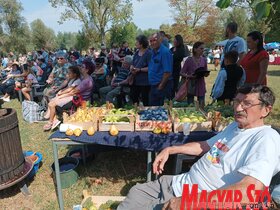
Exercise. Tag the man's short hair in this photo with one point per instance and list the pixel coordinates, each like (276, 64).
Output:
(128, 59)
(231, 56)
(232, 26)
(267, 97)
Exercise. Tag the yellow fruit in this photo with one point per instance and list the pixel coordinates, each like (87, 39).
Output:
(114, 130)
(157, 130)
(165, 130)
(90, 131)
(69, 132)
(185, 120)
(77, 132)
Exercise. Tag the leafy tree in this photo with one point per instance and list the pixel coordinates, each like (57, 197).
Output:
(120, 33)
(147, 32)
(97, 16)
(82, 42)
(42, 36)
(15, 33)
(196, 20)
(263, 8)
(66, 40)
(191, 12)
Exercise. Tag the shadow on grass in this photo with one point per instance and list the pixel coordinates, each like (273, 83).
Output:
(15, 189)
(113, 169)
(274, 73)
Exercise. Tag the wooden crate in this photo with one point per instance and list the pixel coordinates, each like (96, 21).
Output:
(149, 125)
(204, 126)
(121, 126)
(178, 126)
(84, 125)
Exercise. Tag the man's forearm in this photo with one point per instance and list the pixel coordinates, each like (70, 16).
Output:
(193, 148)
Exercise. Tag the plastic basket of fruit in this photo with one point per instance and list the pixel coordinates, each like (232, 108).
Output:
(153, 118)
(197, 119)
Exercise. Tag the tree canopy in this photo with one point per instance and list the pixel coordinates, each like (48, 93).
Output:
(96, 15)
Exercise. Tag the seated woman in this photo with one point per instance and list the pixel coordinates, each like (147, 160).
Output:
(26, 86)
(84, 88)
(99, 74)
(8, 85)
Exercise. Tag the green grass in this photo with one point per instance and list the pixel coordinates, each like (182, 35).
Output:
(118, 170)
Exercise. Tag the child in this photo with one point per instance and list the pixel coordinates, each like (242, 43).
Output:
(62, 97)
(30, 80)
(229, 78)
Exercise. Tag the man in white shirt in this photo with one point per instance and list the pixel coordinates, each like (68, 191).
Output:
(246, 152)
(234, 43)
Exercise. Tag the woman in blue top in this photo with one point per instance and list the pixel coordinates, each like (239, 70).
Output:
(139, 69)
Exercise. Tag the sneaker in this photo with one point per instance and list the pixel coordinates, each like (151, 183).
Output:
(6, 99)
(55, 123)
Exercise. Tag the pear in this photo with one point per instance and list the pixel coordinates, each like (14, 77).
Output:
(77, 132)
(69, 132)
(114, 130)
(90, 131)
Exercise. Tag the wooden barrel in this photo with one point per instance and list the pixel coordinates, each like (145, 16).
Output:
(11, 155)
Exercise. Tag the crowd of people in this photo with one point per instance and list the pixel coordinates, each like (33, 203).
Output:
(247, 151)
(153, 72)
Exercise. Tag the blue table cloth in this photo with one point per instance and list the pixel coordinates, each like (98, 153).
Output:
(137, 140)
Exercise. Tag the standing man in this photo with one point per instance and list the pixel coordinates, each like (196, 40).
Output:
(234, 43)
(160, 72)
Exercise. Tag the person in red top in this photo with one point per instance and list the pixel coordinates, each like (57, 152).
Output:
(255, 62)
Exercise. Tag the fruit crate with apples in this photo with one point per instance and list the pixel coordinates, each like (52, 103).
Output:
(197, 118)
(123, 120)
(84, 117)
(149, 118)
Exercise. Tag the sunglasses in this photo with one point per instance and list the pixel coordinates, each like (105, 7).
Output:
(60, 58)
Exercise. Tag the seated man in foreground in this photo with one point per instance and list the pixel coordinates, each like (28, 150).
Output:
(246, 152)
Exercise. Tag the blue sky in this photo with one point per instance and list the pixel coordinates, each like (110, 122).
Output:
(147, 14)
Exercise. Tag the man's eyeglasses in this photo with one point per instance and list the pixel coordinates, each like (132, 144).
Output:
(244, 104)
(60, 58)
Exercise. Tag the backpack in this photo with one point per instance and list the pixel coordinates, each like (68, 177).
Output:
(31, 111)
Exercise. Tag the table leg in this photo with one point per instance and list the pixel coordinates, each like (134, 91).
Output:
(149, 166)
(156, 176)
(57, 176)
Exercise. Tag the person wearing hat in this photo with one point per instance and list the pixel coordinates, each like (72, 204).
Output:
(8, 85)
(108, 93)
(57, 79)
(74, 58)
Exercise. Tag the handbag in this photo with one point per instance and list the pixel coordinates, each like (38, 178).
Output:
(31, 111)
(77, 100)
(182, 92)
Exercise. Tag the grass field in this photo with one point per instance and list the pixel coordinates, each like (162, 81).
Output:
(116, 170)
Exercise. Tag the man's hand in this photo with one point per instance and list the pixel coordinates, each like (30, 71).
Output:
(172, 204)
(160, 160)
